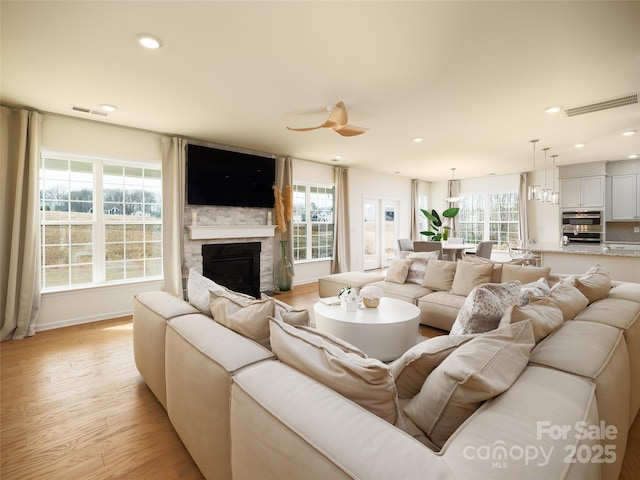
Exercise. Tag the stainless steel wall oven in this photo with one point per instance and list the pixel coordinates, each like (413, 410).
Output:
(587, 226)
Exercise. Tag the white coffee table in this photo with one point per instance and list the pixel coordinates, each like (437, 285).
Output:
(385, 332)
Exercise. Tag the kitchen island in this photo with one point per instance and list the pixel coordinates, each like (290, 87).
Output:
(622, 261)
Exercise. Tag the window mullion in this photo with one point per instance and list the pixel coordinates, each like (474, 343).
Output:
(98, 226)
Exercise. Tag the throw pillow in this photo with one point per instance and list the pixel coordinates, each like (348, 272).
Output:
(567, 298)
(479, 370)
(544, 315)
(484, 307)
(594, 284)
(198, 288)
(288, 313)
(418, 266)
(539, 288)
(469, 275)
(523, 273)
(439, 275)
(496, 275)
(250, 320)
(398, 270)
(365, 381)
(415, 365)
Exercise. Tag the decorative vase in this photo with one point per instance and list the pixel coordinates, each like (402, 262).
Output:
(284, 270)
(371, 302)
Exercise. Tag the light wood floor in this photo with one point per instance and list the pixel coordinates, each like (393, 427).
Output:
(73, 406)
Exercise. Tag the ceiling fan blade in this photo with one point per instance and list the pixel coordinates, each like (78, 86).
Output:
(350, 130)
(327, 124)
(339, 114)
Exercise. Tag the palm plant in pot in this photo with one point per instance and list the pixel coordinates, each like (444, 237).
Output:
(437, 231)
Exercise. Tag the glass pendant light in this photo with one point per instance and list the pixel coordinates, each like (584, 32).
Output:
(533, 190)
(546, 192)
(555, 195)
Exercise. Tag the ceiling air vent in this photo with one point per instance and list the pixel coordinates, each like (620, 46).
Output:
(603, 105)
(88, 110)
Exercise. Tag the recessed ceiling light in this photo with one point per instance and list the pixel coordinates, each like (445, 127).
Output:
(108, 108)
(417, 139)
(149, 41)
(628, 133)
(633, 156)
(579, 145)
(337, 158)
(552, 110)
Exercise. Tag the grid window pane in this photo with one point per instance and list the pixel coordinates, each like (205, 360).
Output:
(312, 222)
(489, 216)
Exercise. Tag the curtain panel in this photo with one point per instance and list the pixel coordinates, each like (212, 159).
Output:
(341, 257)
(173, 199)
(20, 132)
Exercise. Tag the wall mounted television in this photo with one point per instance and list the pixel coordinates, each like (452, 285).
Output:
(227, 178)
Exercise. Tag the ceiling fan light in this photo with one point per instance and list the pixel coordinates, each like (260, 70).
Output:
(149, 41)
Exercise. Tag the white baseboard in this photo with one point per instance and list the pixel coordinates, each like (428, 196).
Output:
(80, 321)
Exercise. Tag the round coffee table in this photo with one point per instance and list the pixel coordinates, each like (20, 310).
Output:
(385, 332)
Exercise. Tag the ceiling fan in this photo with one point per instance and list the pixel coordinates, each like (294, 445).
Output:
(338, 122)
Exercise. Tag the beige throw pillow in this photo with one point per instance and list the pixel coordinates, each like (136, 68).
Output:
(418, 267)
(523, 273)
(567, 298)
(365, 381)
(545, 317)
(594, 284)
(539, 288)
(398, 270)
(475, 372)
(496, 275)
(415, 365)
(469, 275)
(287, 313)
(198, 290)
(250, 320)
(484, 307)
(439, 275)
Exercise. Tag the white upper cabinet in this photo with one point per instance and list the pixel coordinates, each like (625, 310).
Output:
(624, 197)
(582, 192)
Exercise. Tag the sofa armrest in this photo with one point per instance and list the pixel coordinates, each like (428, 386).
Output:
(276, 410)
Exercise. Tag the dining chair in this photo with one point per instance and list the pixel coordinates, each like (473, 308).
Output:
(405, 246)
(484, 249)
(422, 246)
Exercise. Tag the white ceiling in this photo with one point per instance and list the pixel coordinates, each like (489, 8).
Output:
(472, 78)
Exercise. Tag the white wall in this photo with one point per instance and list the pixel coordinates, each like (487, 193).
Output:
(94, 139)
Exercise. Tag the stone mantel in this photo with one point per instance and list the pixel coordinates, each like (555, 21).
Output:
(214, 232)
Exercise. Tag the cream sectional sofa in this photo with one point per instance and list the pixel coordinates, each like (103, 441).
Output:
(245, 413)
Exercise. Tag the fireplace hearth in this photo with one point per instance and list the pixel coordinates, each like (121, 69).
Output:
(233, 265)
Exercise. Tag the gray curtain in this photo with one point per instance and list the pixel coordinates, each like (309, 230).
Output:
(523, 207)
(284, 179)
(173, 198)
(453, 191)
(19, 222)
(341, 246)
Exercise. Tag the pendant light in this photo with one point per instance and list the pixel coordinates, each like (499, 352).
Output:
(452, 199)
(533, 190)
(546, 192)
(555, 195)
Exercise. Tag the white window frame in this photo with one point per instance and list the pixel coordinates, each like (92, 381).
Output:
(308, 222)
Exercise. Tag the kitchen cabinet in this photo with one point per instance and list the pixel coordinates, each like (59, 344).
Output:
(624, 197)
(582, 192)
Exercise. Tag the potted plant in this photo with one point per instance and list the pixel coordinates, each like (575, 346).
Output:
(371, 295)
(436, 230)
(348, 298)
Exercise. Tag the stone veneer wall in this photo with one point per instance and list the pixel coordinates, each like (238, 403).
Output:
(209, 216)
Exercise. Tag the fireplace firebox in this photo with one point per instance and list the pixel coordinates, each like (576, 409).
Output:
(233, 265)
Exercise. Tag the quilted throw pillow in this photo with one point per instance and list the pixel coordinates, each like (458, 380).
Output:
(418, 266)
(539, 288)
(484, 307)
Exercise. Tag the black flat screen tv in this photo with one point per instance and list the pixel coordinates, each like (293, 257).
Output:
(227, 178)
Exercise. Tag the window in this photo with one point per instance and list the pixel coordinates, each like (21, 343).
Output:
(100, 222)
(312, 222)
(490, 216)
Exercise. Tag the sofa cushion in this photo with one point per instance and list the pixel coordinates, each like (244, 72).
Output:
(415, 365)
(476, 371)
(567, 298)
(287, 313)
(365, 381)
(418, 266)
(398, 270)
(440, 309)
(484, 307)
(469, 275)
(409, 292)
(523, 273)
(539, 288)
(626, 291)
(545, 317)
(439, 275)
(198, 288)
(594, 284)
(250, 320)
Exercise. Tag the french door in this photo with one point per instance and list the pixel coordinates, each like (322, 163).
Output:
(380, 232)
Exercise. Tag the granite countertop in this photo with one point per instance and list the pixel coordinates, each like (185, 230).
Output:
(611, 250)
